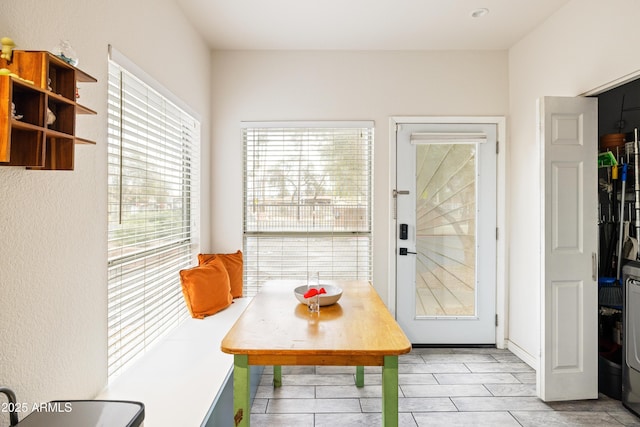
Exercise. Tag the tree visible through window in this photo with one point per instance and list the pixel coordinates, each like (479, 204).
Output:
(307, 201)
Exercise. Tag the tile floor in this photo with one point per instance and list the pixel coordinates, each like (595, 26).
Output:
(438, 387)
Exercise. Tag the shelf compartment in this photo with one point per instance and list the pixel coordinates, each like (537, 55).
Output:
(61, 78)
(27, 148)
(60, 154)
(65, 113)
(29, 103)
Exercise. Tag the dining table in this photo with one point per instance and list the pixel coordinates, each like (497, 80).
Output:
(277, 330)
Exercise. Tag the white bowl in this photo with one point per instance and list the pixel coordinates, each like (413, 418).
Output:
(331, 297)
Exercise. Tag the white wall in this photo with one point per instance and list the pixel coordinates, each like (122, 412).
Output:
(53, 225)
(291, 85)
(585, 45)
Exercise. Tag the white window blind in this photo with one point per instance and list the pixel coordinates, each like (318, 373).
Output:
(153, 209)
(307, 201)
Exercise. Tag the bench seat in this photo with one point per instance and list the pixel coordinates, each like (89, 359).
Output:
(182, 378)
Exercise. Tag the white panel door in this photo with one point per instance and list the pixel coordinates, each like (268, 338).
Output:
(569, 291)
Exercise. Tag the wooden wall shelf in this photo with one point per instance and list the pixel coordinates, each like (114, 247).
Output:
(29, 141)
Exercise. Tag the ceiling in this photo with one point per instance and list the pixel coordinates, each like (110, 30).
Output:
(365, 24)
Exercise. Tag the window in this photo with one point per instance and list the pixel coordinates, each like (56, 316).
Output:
(307, 201)
(153, 204)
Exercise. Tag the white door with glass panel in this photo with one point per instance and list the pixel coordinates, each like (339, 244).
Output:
(446, 232)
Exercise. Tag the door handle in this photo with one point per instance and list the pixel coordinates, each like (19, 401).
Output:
(594, 266)
(404, 251)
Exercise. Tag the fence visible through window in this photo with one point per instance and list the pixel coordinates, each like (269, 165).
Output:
(307, 201)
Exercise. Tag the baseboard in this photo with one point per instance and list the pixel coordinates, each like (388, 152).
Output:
(522, 354)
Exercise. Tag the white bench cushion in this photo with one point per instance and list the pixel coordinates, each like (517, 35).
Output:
(180, 377)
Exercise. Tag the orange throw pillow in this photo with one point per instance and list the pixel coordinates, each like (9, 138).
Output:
(206, 289)
(233, 264)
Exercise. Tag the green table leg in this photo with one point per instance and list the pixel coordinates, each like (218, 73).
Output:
(390, 392)
(241, 396)
(359, 376)
(277, 376)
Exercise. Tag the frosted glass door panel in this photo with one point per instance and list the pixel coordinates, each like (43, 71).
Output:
(446, 229)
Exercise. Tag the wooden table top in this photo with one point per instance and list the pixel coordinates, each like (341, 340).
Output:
(276, 324)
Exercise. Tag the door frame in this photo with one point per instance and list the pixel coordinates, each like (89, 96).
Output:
(502, 311)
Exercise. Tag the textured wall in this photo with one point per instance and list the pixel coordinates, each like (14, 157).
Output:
(53, 333)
